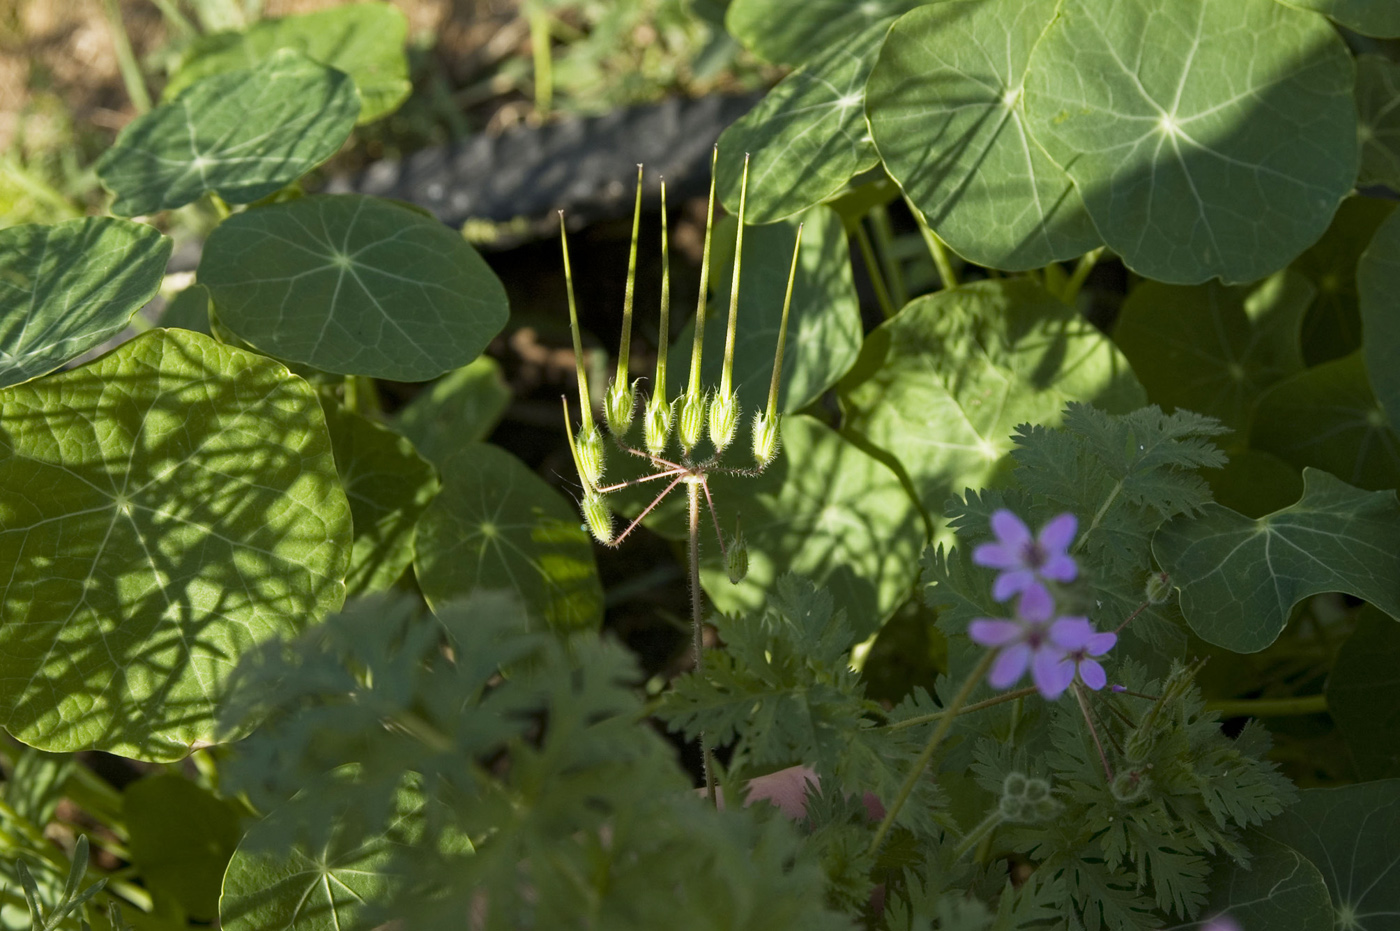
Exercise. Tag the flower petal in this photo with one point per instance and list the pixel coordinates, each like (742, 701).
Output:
(1052, 672)
(1011, 531)
(994, 632)
(1071, 633)
(1099, 644)
(996, 556)
(1060, 567)
(1009, 583)
(1058, 534)
(1092, 674)
(1010, 665)
(1036, 604)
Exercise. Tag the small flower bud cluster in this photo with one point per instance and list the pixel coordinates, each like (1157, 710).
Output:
(1026, 798)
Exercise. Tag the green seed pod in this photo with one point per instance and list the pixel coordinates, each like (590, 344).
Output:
(590, 456)
(724, 417)
(1014, 785)
(765, 438)
(1158, 588)
(692, 421)
(595, 511)
(737, 561)
(1128, 786)
(618, 404)
(658, 426)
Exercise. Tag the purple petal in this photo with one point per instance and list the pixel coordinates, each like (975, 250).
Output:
(1011, 531)
(992, 632)
(1099, 644)
(1060, 567)
(1010, 665)
(1009, 583)
(1092, 674)
(1036, 604)
(1057, 535)
(996, 556)
(1052, 672)
(1071, 633)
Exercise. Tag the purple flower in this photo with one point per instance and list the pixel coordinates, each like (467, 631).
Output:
(1221, 922)
(1028, 642)
(1022, 559)
(1076, 637)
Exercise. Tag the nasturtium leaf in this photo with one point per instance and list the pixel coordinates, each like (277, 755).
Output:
(72, 286)
(389, 486)
(1379, 18)
(364, 40)
(162, 510)
(1332, 328)
(1362, 694)
(1327, 417)
(1200, 150)
(1352, 835)
(461, 407)
(941, 386)
(353, 285)
(947, 115)
(1239, 577)
(497, 525)
(180, 838)
(188, 310)
(1254, 483)
(806, 139)
(1378, 287)
(824, 329)
(1378, 103)
(1214, 348)
(241, 135)
(1278, 889)
(790, 32)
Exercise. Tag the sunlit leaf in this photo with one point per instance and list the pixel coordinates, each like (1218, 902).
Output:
(805, 139)
(389, 486)
(791, 32)
(1378, 102)
(1352, 834)
(364, 40)
(1239, 577)
(181, 838)
(1332, 328)
(497, 525)
(241, 135)
(1378, 286)
(942, 385)
(1362, 696)
(353, 285)
(1278, 889)
(162, 510)
(461, 407)
(69, 287)
(947, 114)
(1327, 417)
(1200, 151)
(1214, 348)
(1368, 17)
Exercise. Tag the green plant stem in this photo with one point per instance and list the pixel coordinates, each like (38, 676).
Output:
(177, 20)
(936, 249)
(945, 723)
(1081, 271)
(884, 243)
(976, 706)
(697, 631)
(543, 59)
(1269, 707)
(126, 59)
(1093, 731)
(877, 278)
(1103, 509)
(982, 831)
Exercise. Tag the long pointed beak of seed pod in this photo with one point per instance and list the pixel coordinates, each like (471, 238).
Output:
(765, 428)
(621, 399)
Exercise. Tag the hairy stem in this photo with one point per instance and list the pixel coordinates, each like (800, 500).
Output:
(975, 706)
(982, 831)
(944, 725)
(1269, 707)
(1093, 731)
(697, 631)
(1103, 509)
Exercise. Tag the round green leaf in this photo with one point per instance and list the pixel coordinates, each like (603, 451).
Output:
(364, 40)
(462, 407)
(790, 32)
(1278, 889)
(69, 287)
(1239, 578)
(1362, 696)
(1332, 328)
(1379, 18)
(1378, 287)
(497, 525)
(181, 838)
(1327, 417)
(188, 310)
(1213, 348)
(806, 139)
(389, 486)
(162, 510)
(241, 135)
(353, 285)
(947, 115)
(824, 328)
(1200, 150)
(1378, 102)
(1352, 834)
(941, 386)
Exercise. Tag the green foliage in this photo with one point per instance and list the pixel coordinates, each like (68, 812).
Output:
(461, 407)
(1361, 695)
(1377, 277)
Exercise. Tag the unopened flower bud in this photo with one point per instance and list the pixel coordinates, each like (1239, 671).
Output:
(1014, 784)
(724, 417)
(1158, 588)
(1037, 789)
(692, 421)
(617, 407)
(657, 423)
(599, 517)
(1127, 786)
(590, 456)
(1011, 807)
(737, 559)
(765, 438)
